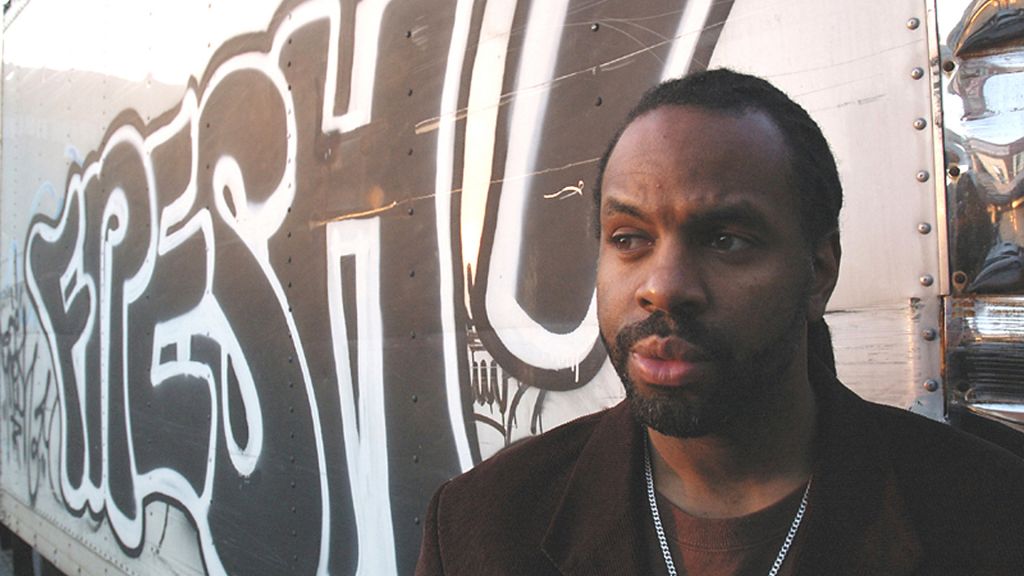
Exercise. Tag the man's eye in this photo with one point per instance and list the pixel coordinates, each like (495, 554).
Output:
(628, 242)
(728, 243)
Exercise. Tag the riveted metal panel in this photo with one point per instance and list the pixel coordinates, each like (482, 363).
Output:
(272, 271)
(853, 67)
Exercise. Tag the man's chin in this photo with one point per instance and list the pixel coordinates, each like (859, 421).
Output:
(671, 416)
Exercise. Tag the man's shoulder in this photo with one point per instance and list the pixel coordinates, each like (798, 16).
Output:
(930, 447)
(958, 487)
(523, 486)
(539, 459)
(955, 497)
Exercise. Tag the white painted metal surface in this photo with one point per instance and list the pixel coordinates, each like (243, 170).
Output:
(72, 67)
(850, 65)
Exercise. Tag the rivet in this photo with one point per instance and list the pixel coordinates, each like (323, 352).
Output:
(917, 73)
(948, 65)
(954, 170)
(412, 335)
(415, 458)
(931, 385)
(923, 176)
(929, 334)
(959, 277)
(416, 520)
(924, 227)
(411, 211)
(926, 280)
(598, 101)
(415, 398)
(412, 273)
(595, 27)
(920, 123)
(913, 23)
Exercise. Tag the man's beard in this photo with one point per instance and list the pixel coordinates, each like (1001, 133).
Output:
(742, 386)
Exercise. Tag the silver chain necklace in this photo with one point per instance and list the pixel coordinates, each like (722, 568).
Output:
(663, 541)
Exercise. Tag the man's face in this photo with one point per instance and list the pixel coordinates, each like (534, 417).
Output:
(704, 281)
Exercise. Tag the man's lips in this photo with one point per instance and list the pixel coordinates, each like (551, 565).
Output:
(665, 361)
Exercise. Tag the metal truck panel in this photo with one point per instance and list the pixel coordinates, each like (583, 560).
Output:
(271, 272)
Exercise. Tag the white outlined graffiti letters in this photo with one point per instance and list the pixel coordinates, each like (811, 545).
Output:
(265, 306)
(169, 327)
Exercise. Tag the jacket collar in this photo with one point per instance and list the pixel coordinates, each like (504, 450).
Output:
(857, 521)
(599, 526)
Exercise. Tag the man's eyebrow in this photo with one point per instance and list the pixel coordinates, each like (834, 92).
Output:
(741, 212)
(613, 206)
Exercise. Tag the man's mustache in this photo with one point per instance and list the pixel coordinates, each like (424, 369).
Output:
(663, 325)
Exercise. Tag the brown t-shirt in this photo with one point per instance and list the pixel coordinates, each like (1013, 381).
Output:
(747, 545)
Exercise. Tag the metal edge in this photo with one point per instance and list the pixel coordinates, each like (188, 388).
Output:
(58, 546)
(927, 351)
(16, 7)
(941, 228)
(930, 399)
(941, 225)
(3, 74)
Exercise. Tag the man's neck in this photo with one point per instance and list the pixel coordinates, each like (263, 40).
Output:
(739, 472)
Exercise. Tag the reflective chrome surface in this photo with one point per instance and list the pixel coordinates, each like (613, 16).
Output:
(986, 355)
(983, 113)
(984, 134)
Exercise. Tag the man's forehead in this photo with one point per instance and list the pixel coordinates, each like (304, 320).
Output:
(673, 120)
(691, 165)
(685, 141)
(703, 138)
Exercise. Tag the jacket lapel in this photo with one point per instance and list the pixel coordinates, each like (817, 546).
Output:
(598, 528)
(857, 521)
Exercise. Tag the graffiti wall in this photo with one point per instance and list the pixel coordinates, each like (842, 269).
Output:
(353, 259)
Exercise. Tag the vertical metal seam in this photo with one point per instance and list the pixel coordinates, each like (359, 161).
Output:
(939, 153)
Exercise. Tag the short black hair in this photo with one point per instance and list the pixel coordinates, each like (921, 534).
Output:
(812, 167)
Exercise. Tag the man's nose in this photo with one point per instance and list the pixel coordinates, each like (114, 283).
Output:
(673, 280)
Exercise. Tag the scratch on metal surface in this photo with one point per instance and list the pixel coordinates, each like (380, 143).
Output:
(586, 6)
(431, 124)
(832, 65)
(540, 172)
(360, 214)
(872, 79)
(396, 203)
(566, 192)
(856, 102)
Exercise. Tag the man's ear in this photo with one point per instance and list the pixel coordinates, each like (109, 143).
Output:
(825, 260)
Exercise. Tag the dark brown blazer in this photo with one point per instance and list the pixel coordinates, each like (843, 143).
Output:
(893, 494)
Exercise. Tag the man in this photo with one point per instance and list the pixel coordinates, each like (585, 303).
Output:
(737, 451)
